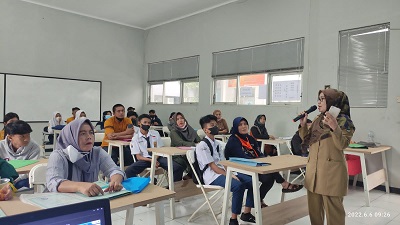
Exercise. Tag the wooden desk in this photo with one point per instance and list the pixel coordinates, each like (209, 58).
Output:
(276, 143)
(223, 137)
(167, 152)
(370, 181)
(27, 169)
(151, 194)
(120, 144)
(278, 163)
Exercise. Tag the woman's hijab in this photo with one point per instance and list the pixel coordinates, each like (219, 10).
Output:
(54, 122)
(78, 114)
(319, 130)
(69, 135)
(187, 131)
(243, 138)
(261, 126)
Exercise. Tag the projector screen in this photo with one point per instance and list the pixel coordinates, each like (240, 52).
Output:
(35, 98)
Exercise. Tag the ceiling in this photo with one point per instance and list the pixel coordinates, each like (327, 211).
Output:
(142, 14)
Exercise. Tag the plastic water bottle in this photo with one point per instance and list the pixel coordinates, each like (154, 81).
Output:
(371, 136)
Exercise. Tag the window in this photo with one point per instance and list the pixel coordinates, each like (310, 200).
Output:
(168, 79)
(286, 88)
(363, 65)
(191, 92)
(248, 76)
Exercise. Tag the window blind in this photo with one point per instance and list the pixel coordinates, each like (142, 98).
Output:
(177, 69)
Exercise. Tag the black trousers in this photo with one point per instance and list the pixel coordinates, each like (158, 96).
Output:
(267, 181)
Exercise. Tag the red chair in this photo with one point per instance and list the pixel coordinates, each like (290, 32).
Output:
(353, 167)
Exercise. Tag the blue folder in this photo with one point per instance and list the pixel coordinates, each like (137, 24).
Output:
(247, 162)
(136, 184)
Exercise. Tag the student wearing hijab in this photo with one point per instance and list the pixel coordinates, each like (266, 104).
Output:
(327, 137)
(241, 144)
(183, 134)
(8, 118)
(70, 119)
(79, 114)
(19, 145)
(259, 131)
(221, 122)
(106, 116)
(75, 164)
(56, 122)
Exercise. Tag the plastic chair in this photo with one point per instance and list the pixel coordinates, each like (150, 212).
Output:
(353, 167)
(191, 159)
(166, 141)
(37, 178)
(302, 171)
(166, 131)
(201, 133)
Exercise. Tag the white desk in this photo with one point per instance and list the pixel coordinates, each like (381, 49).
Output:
(167, 152)
(276, 143)
(278, 163)
(370, 181)
(223, 137)
(120, 144)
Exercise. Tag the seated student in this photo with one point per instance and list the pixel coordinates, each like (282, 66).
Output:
(221, 122)
(215, 174)
(116, 128)
(80, 114)
(296, 143)
(182, 134)
(148, 139)
(6, 193)
(8, 118)
(258, 131)
(19, 145)
(132, 115)
(72, 118)
(55, 123)
(106, 116)
(241, 144)
(155, 121)
(75, 164)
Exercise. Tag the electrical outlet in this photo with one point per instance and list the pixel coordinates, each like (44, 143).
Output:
(398, 99)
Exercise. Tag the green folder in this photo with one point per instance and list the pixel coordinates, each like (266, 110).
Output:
(358, 146)
(17, 163)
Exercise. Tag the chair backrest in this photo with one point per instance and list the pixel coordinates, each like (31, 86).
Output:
(191, 159)
(166, 141)
(201, 133)
(37, 177)
(289, 145)
(165, 130)
(98, 137)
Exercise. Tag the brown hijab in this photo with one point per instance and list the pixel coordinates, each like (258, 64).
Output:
(319, 130)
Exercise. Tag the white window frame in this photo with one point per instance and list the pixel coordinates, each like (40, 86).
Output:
(214, 90)
(149, 93)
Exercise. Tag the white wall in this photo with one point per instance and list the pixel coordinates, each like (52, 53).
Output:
(263, 21)
(41, 41)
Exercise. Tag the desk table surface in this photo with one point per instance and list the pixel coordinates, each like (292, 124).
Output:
(150, 194)
(278, 163)
(273, 141)
(118, 142)
(27, 169)
(168, 150)
(375, 150)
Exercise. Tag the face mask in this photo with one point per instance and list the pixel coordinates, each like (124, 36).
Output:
(74, 154)
(58, 118)
(107, 117)
(213, 130)
(145, 127)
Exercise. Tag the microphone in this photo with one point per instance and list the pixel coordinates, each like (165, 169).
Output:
(310, 110)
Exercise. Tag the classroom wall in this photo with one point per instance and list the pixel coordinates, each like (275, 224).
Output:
(42, 41)
(263, 21)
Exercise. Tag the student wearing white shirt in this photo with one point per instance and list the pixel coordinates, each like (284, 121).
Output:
(144, 139)
(215, 173)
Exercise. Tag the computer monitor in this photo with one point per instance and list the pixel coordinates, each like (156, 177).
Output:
(96, 212)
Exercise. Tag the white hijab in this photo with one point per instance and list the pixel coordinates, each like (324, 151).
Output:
(78, 114)
(54, 122)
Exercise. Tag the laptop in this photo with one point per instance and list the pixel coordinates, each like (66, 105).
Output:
(96, 212)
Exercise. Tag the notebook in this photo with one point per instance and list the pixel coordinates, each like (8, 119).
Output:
(248, 162)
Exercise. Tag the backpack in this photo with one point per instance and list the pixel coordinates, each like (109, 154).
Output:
(196, 166)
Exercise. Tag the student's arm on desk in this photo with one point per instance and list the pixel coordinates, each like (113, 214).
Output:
(89, 189)
(6, 193)
(127, 134)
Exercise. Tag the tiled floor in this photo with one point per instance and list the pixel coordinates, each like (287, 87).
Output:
(381, 205)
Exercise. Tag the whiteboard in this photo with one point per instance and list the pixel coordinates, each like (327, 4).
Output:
(35, 98)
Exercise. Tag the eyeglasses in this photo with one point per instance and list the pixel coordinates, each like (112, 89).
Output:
(321, 99)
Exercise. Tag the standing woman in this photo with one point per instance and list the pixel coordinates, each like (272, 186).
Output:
(221, 122)
(326, 172)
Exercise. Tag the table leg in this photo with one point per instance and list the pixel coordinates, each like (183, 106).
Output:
(153, 168)
(278, 149)
(386, 172)
(121, 157)
(54, 141)
(227, 190)
(365, 179)
(287, 179)
(159, 213)
(129, 216)
(171, 185)
(262, 147)
(257, 199)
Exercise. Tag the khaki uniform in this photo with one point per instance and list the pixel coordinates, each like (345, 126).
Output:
(326, 176)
